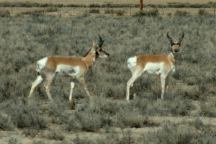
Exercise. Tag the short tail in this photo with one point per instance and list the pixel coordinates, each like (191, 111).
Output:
(41, 64)
(132, 62)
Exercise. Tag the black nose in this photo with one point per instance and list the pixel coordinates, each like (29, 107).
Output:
(176, 50)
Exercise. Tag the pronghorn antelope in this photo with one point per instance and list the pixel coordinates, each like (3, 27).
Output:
(76, 67)
(160, 64)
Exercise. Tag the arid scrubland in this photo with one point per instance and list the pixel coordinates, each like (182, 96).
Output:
(109, 119)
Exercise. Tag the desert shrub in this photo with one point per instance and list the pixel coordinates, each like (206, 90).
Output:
(113, 11)
(170, 134)
(133, 120)
(175, 106)
(198, 124)
(26, 115)
(125, 137)
(189, 91)
(86, 120)
(112, 137)
(94, 11)
(51, 9)
(208, 109)
(151, 13)
(79, 140)
(181, 13)
(13, 140)
(120, 12)
(55, 135)
(203, 12)
(5, 122)
(4, 13)
(57, 110)
(30, 132)
(109, 11)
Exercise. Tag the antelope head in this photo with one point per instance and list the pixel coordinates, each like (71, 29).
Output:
(175, 44)
(100, 52)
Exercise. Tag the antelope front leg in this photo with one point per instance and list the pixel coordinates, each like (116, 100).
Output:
(38, 80)
(163, 83)
(49, 79)
(47, 88)
(71, 95)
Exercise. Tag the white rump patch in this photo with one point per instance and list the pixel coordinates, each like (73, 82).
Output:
(62, 68)
(131, 62)
(153, 68)
(41, 64)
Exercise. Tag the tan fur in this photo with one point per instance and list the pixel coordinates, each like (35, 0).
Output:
(83, 62)
(142, 59)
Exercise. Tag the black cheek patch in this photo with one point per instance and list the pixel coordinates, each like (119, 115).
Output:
(97, 55)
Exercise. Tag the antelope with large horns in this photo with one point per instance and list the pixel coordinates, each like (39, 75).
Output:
(159, 64)
(74, 66)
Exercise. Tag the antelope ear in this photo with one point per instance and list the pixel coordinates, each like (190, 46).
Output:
(100, 41)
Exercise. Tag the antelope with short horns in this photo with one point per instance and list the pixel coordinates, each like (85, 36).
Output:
(73, 66)
(159, 64)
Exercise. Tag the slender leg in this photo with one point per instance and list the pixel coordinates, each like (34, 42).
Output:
(167, 82)
(47, 84)
(82, 81)
(71, 101)
(130, 83)
(163, 83)
(38, 80)
(71, 91)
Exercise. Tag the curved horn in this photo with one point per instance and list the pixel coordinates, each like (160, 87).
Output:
(181, 38)
(170, 39)
(101, 41)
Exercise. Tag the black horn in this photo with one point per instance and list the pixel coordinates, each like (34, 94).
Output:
(181, 38)
(100, 41)
(170, 39)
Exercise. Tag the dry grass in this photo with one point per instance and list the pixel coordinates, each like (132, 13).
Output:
(188, 105)
(106, 1)
(67, 12)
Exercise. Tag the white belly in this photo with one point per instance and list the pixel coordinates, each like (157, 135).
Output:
(153, 68)
(62, 68)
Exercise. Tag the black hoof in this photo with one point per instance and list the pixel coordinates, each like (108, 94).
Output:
(72, 105)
